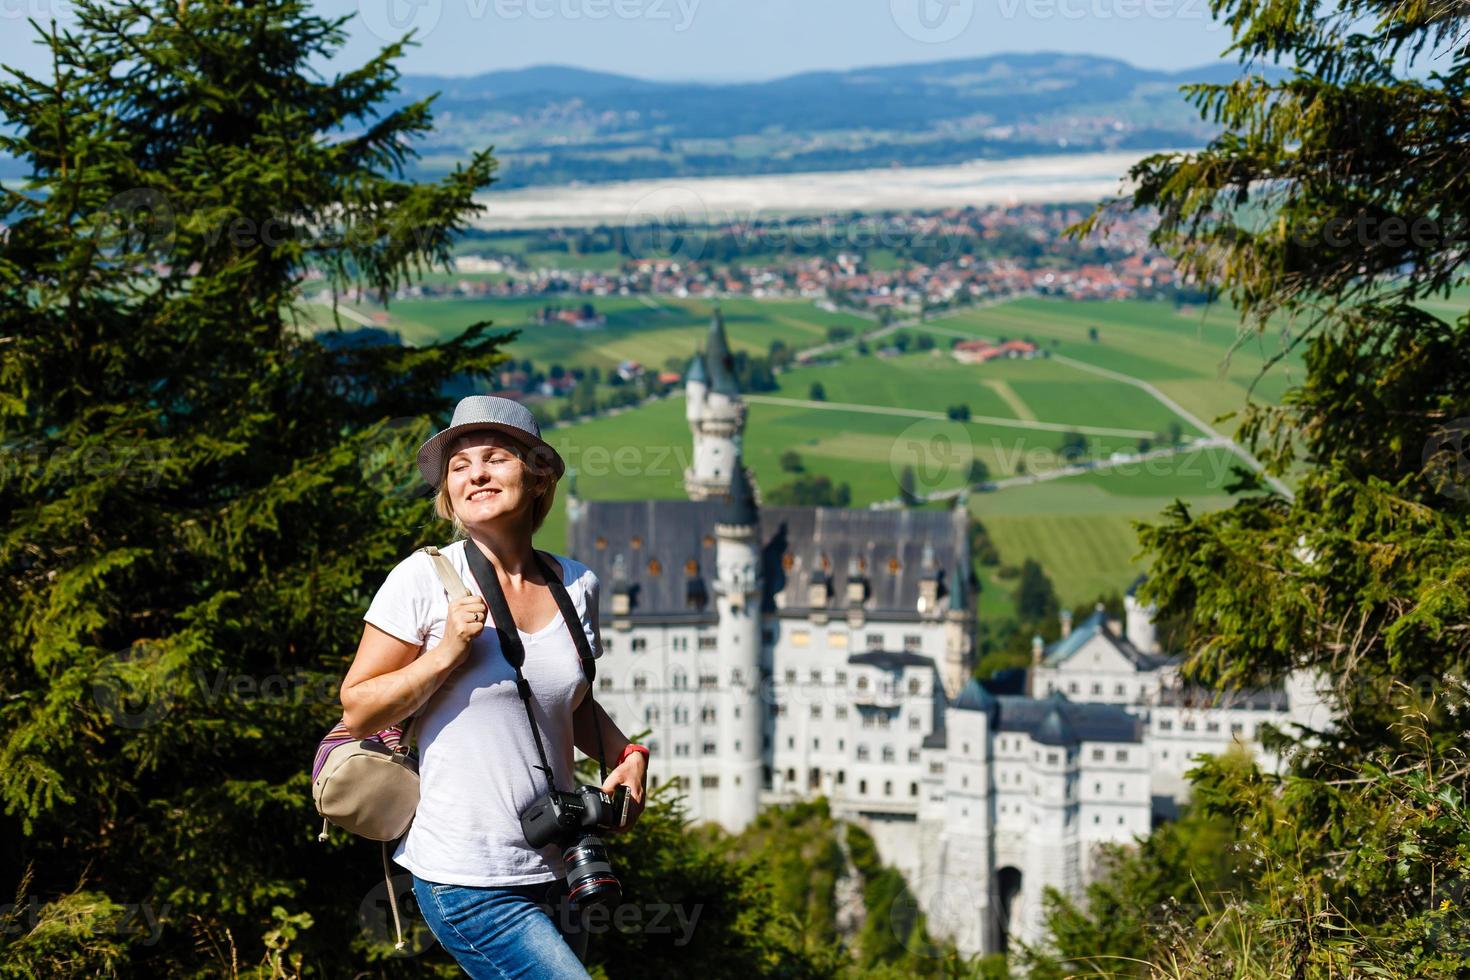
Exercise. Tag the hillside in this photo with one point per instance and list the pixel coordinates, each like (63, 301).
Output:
(554, 124)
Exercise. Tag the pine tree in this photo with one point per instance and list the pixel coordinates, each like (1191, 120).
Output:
(199, 497)
(1332, 211)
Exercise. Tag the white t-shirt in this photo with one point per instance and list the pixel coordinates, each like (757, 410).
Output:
(476, 751)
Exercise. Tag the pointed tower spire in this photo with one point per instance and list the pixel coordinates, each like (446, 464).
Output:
(719, 361)
(740, 501)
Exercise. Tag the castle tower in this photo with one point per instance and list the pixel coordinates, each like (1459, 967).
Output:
(959, 614)
(1139, 620)
(737, 591)
(716, 415)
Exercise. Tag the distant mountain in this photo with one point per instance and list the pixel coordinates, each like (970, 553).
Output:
(553, 124)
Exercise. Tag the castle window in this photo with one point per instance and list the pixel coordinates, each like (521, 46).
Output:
(1098, 755)
(913, 685)
(841, 776)
(862, 753)
(893, 566)
(1096, 688)
(1122, 755)
(1236, 728)
(791, 677)
(637, 541)
(707, 713)
(654, 568)
(600, 543)
(681, 682)
(691, 567)
(709, 748)
(816, 677)
(840, 677)
(799, 638)
(837, 639)
(709, 782)
(709, 642)
(1122, 789)
(736, 677)
(1189, 725)
(1051, 758)
(708, 681)
(862, 682)
(816, 711)
(640, 643)
(605, 683)
(826, 562)
(887, 787)
(709, 541)
(913, 755)
(1120, 691)
(887, 753)
(1212, 726)
(1166, 724)
(787, 561)
(640, 682)
(912, 641)
(875, 641)
(841, 712)
(1072, 687)
(863, 787)
(914, 723)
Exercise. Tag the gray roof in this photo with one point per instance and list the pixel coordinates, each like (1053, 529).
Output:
(974, 697)
(1243, 699)
(675, 532)
(718, 359)
(695, 371)
(1056, 721)
(889, 660)
(1096, 625)
(740, 498)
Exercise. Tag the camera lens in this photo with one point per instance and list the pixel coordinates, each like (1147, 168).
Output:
(590, 879)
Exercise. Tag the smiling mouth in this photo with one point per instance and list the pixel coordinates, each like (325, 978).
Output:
(485, 494)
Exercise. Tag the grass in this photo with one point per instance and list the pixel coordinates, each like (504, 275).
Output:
(1078, 527)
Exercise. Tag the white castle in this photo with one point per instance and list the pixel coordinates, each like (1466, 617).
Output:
(778, 653)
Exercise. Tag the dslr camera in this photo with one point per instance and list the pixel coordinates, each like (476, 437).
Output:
(571, 820)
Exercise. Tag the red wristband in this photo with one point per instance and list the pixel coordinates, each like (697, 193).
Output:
(629, 749)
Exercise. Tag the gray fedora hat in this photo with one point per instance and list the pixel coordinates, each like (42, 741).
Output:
(488, 412)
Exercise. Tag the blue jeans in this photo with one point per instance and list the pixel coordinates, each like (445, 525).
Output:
(506, 933)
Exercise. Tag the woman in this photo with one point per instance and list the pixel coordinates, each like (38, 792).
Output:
(482, 888)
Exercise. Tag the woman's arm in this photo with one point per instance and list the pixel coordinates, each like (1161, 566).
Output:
(388, 681)
(633, 770)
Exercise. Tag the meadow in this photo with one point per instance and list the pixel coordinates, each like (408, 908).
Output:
(882, 413)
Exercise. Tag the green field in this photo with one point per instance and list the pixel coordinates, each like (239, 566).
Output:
(1078, 527)
(650, 330)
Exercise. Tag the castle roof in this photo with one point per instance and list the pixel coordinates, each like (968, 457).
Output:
(890, 660)
(740, 499)
(974, 697)
(719, 361)
(695, 371)
(1054, 720)
(883, 547)
(1093, 626)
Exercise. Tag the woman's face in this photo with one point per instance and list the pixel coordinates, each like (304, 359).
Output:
(487, 479)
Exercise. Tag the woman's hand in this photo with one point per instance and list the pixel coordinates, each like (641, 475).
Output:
(464, 622)
(629, 774)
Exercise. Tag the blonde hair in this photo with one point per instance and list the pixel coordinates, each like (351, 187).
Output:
(541, 476)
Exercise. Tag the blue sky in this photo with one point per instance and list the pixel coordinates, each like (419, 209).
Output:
(735, 39)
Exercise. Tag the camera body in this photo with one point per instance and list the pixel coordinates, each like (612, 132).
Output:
(571, 821)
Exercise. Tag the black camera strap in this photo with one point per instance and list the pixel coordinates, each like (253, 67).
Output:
(515, 650)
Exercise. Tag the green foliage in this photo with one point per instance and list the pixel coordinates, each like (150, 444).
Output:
(811, 490)
(737, 906)
(199, 500)
(1302, 211)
